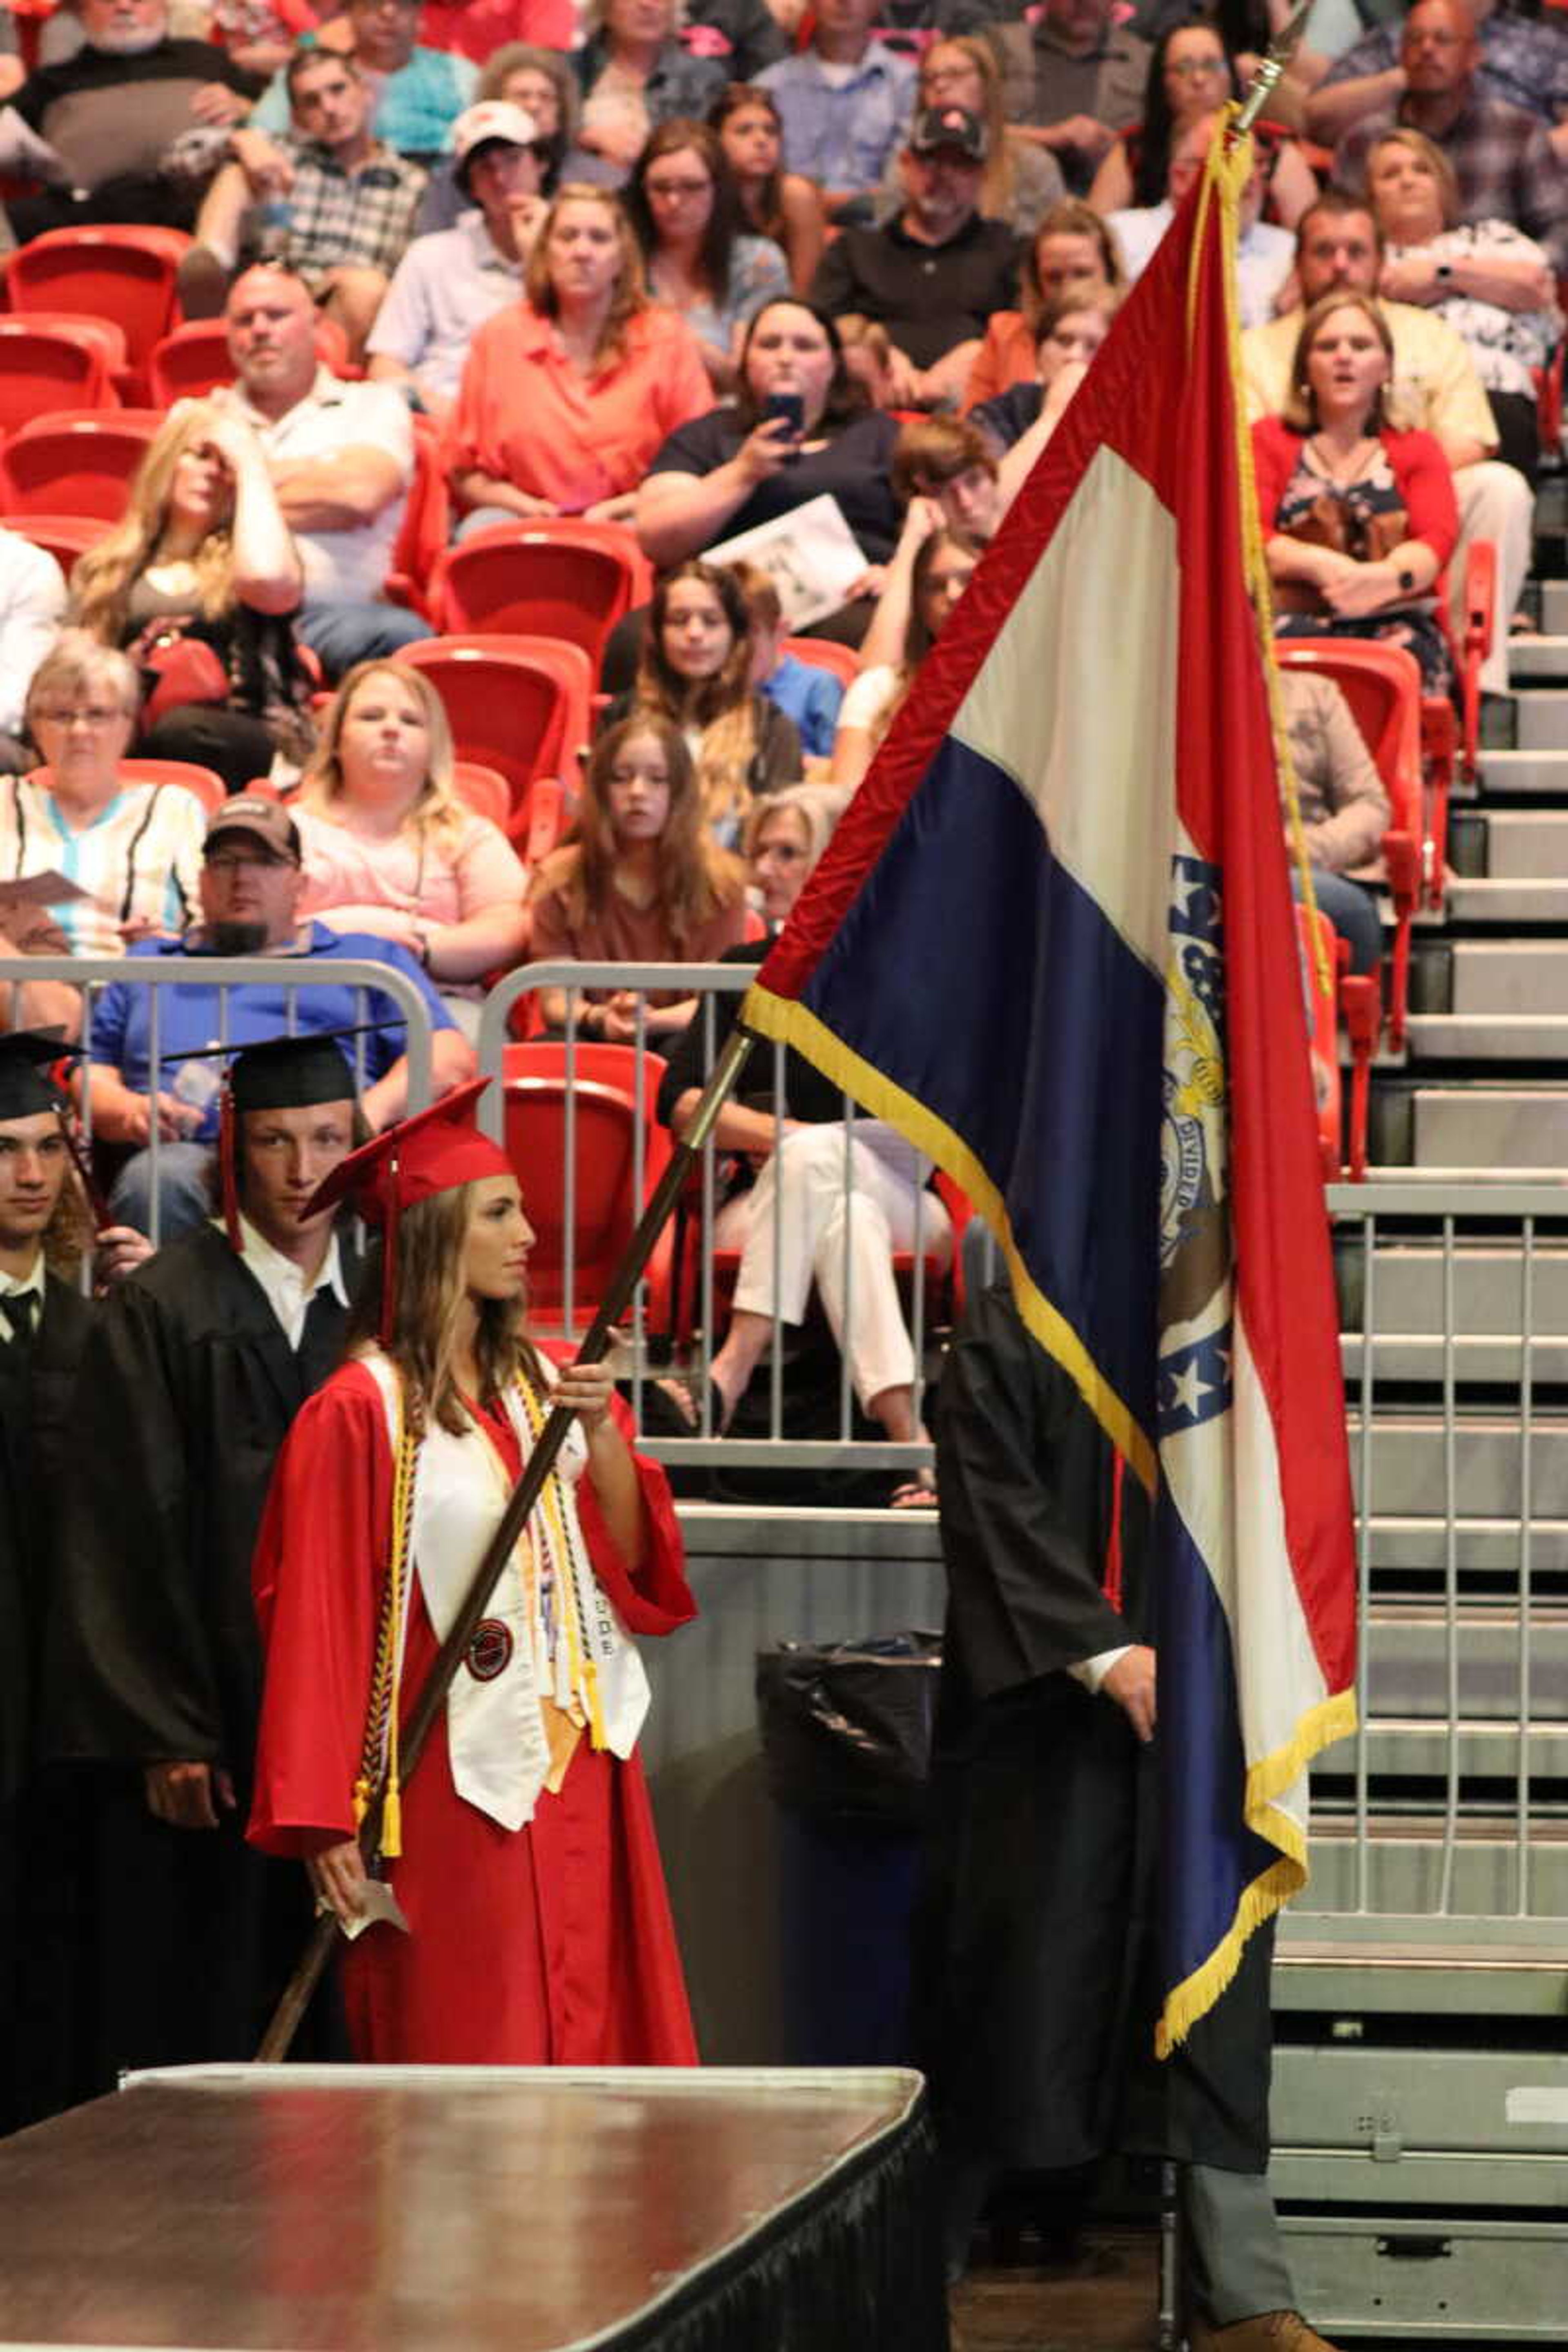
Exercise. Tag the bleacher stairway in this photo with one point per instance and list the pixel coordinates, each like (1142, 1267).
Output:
(1421, 2103)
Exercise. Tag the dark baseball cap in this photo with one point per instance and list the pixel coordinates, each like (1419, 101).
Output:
(951, 130)
(267, 821)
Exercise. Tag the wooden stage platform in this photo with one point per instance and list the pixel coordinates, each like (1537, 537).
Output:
(301, 2209)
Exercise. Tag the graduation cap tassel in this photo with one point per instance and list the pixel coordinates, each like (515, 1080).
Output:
(432, 1694)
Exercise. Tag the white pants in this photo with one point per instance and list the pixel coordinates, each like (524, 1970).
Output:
(815, 1236)
(1495, 503)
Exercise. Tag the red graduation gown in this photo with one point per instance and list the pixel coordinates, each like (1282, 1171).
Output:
(552, 1945)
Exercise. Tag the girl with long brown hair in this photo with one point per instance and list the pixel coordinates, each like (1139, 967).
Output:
(780, 204)
(696, 671)
(525, 1837)
(644, 881)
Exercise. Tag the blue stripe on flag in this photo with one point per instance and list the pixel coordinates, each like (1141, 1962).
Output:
(1200, 1723)
(974, 930)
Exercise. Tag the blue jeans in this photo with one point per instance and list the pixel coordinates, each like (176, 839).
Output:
(341, 634)
(183, 1195)
(1351, 909)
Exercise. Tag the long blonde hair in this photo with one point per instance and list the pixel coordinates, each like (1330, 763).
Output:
(438, 814)
(103, 578)
(999, 179)
(430, 1295)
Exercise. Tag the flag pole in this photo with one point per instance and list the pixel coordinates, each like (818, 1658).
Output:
(432, 1694)
(1275, 66)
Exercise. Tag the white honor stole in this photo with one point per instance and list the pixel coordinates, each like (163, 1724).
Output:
(548, 1629)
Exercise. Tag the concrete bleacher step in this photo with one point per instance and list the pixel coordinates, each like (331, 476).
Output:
(1512, 977)
(1545, 657)
(1486, 1037)
(1407, 1472)
(1483, 1126)
(1528, 844)
(1486, 1294)
(1539, 773)
(1506, 900)
(1540, 719)
(1554, 608)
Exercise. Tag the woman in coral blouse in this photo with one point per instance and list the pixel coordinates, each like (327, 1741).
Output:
(568, 394)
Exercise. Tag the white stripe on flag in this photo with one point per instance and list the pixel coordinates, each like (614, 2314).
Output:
(1077, 698)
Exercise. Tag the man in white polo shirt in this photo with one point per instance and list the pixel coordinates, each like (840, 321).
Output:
(342, 456)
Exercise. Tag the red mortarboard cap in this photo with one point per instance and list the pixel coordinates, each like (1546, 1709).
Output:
(431, 1152)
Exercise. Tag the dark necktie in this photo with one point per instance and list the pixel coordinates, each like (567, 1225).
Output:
(321, 1338)
(20, 1309)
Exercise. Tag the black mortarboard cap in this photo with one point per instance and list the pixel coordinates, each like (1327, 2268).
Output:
(26, 1056)
(290, 1074)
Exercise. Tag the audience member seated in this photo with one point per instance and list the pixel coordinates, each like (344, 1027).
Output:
(643, 882)
(913, 296)
(635, 75)
(1073, 252)
(742, 466)
(567, 395)
(134, 851)
(1435, 388)
(696, 671)
(32, 608)
(200, 581)
(1072, 77)
(342, 458)
(542, 86)
(1361, 517)
(113, 114)
(1190, 78)
(1523, 62)
(930, 569)
(419, 92)
(259, 34)
(327, 201)
(1022, 180)
(1504, 164)
(949, 460)
(1264, 254)
(1491, 283)
(1345, 810)
(839, 1237)
(699, 260)
(450, 282)
(844, 101)
(251, 885)
(1019, 423)
(743, 36)
(390, 849)
(777, 205)
(808, 695)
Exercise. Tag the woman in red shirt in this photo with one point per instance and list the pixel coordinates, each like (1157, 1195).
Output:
(567, 395)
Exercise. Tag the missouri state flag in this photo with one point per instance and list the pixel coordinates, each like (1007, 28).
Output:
(1053, 941)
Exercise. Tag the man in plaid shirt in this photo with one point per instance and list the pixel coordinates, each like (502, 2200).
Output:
(1502, 157)
(329, 202)
(1524, 60)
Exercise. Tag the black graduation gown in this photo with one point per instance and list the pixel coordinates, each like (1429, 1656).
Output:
(38, 1841)
(1036, 1985)
(188, 1387)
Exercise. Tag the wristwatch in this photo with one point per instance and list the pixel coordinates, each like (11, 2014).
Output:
(1444, 273)
(1407, 580)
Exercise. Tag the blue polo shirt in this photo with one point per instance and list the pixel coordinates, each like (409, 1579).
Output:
(190, 1017)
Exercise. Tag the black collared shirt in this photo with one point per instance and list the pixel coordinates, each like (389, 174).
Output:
(929, 297)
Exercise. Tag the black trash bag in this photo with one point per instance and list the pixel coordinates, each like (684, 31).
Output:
(847, 1726)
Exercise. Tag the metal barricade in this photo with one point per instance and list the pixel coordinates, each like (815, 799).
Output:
(289, 975)
(1450, 1804)
(690, 1353)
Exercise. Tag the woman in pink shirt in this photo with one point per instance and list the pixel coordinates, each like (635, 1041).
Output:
(567, 396)
(388, 846)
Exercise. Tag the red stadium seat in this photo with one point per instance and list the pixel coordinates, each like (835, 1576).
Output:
(607, 1134)
(65, 537)
(565, 578)
(76, 463)
(422, 536)
(823, 654)
(125, 274)
(1320, 967)
(482, 790)
(519, 705)
(47, 368)
(205, 782)
(193, 358)
(1382, 685)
